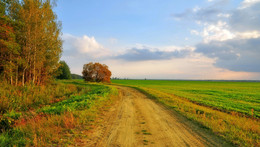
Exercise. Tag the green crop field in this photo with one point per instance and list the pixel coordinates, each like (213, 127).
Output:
(229, 109)
(229, 96)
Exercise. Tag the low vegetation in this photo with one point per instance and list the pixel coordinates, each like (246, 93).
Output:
(51, 114)
(229, 109)
(31, 97)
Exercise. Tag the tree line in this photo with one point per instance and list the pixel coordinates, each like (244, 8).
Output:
(30, 43)
(92, 72)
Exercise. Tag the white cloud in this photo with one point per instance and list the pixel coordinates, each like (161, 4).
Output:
(248, 3)
(218, 32)
(85, 45)
(248, 35)
(175, 48)
(219, 24)
(221, 32)
(224, 15)
(229, 36)
(194, 32)
(240, 23)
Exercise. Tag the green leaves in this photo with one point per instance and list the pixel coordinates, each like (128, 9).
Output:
(81, 102)
(63, 71)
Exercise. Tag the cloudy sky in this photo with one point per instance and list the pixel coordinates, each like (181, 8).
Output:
(169, 39)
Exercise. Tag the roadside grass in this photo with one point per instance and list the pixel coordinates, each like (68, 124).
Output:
(32, 97)
(241, 130)
(56, 123)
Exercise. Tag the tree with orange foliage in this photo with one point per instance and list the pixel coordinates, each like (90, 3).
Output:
(96, 72)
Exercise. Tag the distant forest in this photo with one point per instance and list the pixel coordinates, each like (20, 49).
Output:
(75, 76)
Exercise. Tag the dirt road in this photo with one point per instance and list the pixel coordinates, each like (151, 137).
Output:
(138, 121)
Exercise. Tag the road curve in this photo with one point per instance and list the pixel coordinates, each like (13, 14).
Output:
(139, 121)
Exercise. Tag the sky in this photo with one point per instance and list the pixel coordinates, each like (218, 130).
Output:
(170, 39)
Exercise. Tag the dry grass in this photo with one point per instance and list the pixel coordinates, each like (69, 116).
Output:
(32, 97)
(35, 128)
(240, 130)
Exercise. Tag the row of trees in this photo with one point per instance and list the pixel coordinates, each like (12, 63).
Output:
(92, 72)
(30, 44)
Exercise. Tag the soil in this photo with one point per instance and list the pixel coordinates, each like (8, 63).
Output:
(136, 120)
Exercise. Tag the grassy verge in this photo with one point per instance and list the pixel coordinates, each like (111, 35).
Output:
(56, 121)
(32, 97)
(237, 129)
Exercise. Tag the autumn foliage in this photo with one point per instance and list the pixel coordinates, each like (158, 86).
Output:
(96, 72)
(9, 50)
(30, 43)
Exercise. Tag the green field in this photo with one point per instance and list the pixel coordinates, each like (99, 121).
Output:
(229, 96)
(229, 109)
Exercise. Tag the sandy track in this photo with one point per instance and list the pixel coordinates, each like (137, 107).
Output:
(138, 121)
